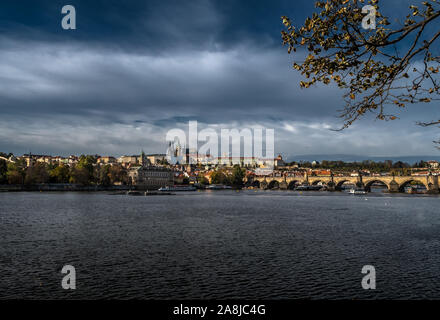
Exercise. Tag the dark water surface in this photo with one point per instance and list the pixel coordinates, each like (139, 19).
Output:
(226, 244)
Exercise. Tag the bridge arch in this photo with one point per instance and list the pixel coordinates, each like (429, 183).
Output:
(255, 184)
(293, 184)
(370, 183)
(340, 183)
(274, 184)
(408, 183)
(316, 182)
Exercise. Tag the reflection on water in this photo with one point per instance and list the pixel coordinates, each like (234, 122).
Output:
(224, 244)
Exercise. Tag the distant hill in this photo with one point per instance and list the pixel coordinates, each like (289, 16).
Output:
(358, 158)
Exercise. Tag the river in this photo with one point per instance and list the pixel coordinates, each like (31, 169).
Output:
(219, 244)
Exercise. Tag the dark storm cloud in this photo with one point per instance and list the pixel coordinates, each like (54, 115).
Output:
(133, 69)
(76, 80)
(151, 25)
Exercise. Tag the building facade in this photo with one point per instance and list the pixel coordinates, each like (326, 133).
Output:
(156, 158)
(150, 177)
(134, 161)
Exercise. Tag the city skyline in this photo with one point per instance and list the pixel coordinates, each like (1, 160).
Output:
(347, 158)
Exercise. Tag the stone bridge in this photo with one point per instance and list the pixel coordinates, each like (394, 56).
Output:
(334, 183)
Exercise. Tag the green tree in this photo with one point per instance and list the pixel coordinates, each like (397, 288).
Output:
(118, 174)
(60, 174)
(79, 175)
(375, 67)
(16, 172)
(104, 175)
(237, 177)
(202, 179)
(37, 174)
(219, 177)
(3, 171)
(84, 171)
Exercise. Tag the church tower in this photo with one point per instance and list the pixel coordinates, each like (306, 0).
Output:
(143, 159)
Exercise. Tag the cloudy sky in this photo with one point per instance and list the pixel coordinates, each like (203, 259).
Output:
(135, 69)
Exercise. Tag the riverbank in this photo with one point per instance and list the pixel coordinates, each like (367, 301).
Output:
(54, 187)
(61, 187)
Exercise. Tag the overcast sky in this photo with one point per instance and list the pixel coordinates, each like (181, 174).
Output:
(134, 69)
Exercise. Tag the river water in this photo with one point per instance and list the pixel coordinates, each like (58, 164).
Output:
(219, 244)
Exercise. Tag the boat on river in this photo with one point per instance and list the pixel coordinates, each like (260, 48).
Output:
(309, 188)
(357, 191)
(218, 187)
(178, 188)
(147, 193)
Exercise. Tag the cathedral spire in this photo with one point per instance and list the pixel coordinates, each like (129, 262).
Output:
(142, 158)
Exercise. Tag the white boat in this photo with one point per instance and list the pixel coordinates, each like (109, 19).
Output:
(178, 188)
(217, 187)
(357, 191)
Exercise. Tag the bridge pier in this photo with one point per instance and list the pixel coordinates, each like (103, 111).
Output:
(393, 187)
(283, 185)
(331, 186)
(263, 185)
(433, 185)
(433, 190)
(360, 185)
